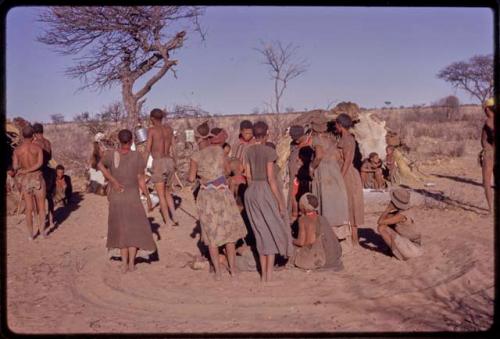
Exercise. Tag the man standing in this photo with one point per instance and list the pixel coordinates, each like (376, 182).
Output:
(27, 161)
(487, 157)
(47, 172)
(158, 145)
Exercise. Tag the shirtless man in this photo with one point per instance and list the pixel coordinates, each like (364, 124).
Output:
(158, 145)
(47, 172)
(487, 157)
(27, 161)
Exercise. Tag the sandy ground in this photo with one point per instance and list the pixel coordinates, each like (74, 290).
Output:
(66, 284)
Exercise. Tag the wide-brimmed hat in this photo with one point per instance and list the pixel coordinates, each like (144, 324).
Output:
(319, 124)
(400, 198)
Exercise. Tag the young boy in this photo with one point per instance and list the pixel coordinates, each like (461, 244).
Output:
(397, 227)
(245, 138)
(371, 172)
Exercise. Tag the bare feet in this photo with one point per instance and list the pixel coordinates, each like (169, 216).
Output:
(132, 268)
(218, 276)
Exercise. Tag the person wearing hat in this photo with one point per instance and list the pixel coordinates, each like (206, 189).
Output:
(486, 157)
(397, 226)
(220, 219)
(318, 247)
(328, 183)
(352, 179)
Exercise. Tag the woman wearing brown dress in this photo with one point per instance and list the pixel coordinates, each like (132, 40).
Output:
(264, 203)
(128, 226)
(220, 219)
(487, 153)
(352, 179)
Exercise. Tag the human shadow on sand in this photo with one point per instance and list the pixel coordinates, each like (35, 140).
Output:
(62, 213)
(443, 198)
(459, 179)
(372, 241)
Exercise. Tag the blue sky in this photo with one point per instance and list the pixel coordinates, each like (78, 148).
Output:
(360, 54)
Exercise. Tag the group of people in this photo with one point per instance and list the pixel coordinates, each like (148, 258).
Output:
(36, 182)
(239, 195)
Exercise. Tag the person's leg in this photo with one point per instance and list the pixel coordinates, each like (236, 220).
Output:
(379, 179)
(124, 254)
(364, 179)
(487, 176)
(160, 189)
(270, 267)
(231, 257)
(384, 232)
(355, 240)
(263, 267)
(40, 202)
(171, 205)
(132, 251)
(214, 257)
(28, 201)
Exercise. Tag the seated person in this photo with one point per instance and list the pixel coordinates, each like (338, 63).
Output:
(318, 247)
(97, 182)
(397, 227)
(371, 172)
(62, 189)
(227, 149)
(391, 169)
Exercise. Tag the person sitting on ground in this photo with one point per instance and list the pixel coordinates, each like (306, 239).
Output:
(97, 182)
(245, 138)
(318, 247)
(397, 226)
(63, 189)
(371, 172)
(391, 168)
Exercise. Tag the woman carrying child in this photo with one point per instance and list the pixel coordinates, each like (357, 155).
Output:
(220, 219)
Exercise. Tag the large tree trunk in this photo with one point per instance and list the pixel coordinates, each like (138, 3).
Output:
(130, 104)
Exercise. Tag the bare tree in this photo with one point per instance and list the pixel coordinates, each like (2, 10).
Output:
(283, 66)
(57, 118)
(113, 112)
(474, 76)
(119, 45)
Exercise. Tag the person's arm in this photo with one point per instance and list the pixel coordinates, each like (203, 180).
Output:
(149, 144)
(50, 149)
(483, 137)
(348, 155)
(107, 174)
(301, 237)
(193, 168)
(319, 154)
(274, 187)
(390, 216)
(35, 166)
(15, 162)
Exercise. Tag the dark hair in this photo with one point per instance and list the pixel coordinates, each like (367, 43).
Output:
(125, 136)
(313, 200)
(203, 129)
(59, 167)
(28, 132)
(224, 145)
(260, 129)
(216, 130)
(157, 114)
(372, 154)
(270, 144)
(344, 120)
(246, 124)
(37, 128)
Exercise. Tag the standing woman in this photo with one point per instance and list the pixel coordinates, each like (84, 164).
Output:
(265, 204)
(220, 219)
(128, 225)
(487, 156)
(352, 179)
(328, 183)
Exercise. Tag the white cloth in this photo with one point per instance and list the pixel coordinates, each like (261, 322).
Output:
(97, 176)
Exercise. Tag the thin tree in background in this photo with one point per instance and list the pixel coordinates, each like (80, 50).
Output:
(474, 76)
(120, 45)
(283, 66)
